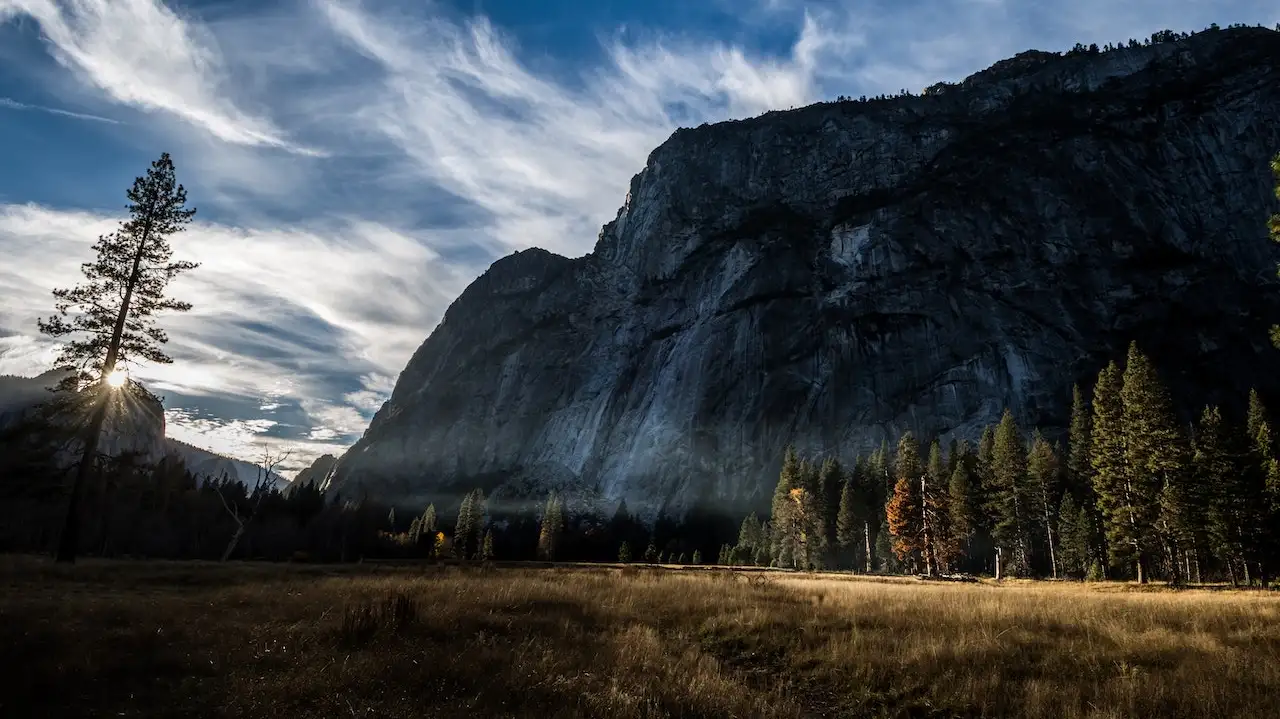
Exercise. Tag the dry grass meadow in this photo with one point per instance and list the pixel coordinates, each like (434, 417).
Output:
(121, 639)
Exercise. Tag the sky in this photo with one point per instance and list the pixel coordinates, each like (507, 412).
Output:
(355, 164)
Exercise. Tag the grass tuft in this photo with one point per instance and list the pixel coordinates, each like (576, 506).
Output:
(370, 616)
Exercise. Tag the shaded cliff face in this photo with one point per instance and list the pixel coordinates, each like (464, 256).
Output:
(317, 472)
(138, 424)
(835, 275)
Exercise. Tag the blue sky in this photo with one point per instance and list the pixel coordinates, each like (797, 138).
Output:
(356, 164)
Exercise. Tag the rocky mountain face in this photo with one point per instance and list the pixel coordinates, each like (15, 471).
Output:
(835, 275)
(205, 464)
(139, 428)
(317, 472)
(140, 425)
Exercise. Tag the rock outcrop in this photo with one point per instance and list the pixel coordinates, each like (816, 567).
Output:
(138, 427)
(318, 472)
(835, 275)
(139, 416)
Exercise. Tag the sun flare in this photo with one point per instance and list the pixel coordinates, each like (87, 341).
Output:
(117, 378)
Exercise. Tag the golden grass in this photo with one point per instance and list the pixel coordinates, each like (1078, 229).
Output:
(184, 639)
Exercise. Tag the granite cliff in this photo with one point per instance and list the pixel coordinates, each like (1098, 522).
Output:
(834, 275)
(140, 429)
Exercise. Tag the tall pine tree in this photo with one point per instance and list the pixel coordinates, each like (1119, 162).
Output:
(553, 521)
(1043, 471)
(1010, 497)
(830, 481)
(965, 501)
(782, 514)
(943, 546)
(1155, 457)
(1075, 554)
(1079, 476)
(1233, 516)
(1121, 507)
(109, 322)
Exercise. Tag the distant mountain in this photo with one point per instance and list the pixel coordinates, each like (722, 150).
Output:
(141, 430)
(318, 470)
(203, 463)
(19, 394)
(144, 432)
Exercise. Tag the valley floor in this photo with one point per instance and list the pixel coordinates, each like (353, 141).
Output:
(249, 640)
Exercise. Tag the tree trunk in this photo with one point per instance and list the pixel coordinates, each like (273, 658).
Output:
(997, 564)
(924, 526)
(1142, 577)
(1048, 530)
(69, 540)
(866, 534)
(231, 546)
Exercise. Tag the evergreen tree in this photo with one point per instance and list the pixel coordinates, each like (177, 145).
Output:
(697, 557)
(464, 528)
(782, 515)
(108, 322)
(880, 472)
(886, 558)
(415, 531)
(869, 486)
(809, 516)
(830, 481)
(750, 539)
(986, 454)
(429, 519)
(1121, 508)
(1043, 471)
(651, 552)
(905, 512)
(965, 500)
(553, 522)
(486, 547)
(762, 556)
(1073, 531)
(1154, 457)
(1011, 496)
(1232, 508)
(944, 548)
(1079, 474)
(1256, 419)
(624, 553)
(849, 525)
(1263, 477)
(1273, 226)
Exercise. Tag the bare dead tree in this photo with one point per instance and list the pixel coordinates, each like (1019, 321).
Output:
(266, 470)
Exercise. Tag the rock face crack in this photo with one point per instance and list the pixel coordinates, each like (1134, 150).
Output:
(835, 275)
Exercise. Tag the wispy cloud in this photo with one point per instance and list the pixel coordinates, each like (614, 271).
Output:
(143, 54)
(12, 104)
(547, 158)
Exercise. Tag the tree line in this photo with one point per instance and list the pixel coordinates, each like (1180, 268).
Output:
(1133, 494)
